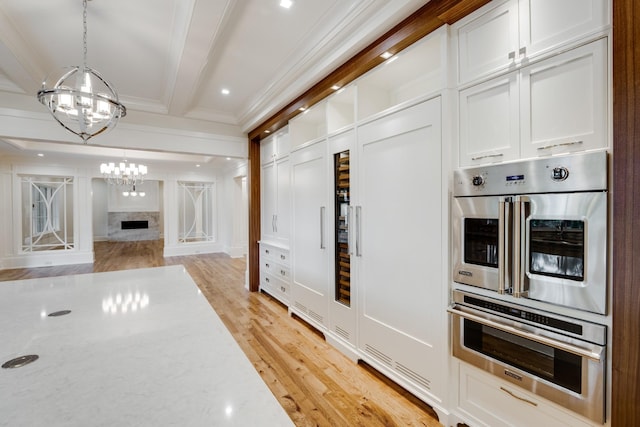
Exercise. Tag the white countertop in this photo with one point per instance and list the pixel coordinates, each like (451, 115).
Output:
(139, 348)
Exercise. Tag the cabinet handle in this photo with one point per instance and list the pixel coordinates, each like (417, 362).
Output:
(512, 394)
(512, 55)
(266, 251)
(358, 225)
(350, 230)
(283, 289)
(282, 257)
(273, 223)
(322, 227)
(486, 156)
(523, 50)
(594, 354)
(276, 223)
(283, 273)
(266, 279)
(266, 265)
(562, 144)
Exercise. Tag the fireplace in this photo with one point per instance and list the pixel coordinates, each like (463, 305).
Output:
(133, 225)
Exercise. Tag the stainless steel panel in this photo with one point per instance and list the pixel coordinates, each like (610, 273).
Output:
(472, 274)
(590, 402)
(576, 172)
(590, 294)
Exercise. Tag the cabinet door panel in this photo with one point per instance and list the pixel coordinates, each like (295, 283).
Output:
(268, 201)
(547, 24)
(309, 241)
(485, 44)
(489, 121)
(283, 207)
(563, 102)
(400, 262)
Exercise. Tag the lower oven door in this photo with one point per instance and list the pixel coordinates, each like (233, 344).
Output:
(563, 370)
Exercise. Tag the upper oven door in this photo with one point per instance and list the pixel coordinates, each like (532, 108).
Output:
(563, 244)
(477, 232)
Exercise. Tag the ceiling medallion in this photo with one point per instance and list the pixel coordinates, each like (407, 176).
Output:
(81, 100)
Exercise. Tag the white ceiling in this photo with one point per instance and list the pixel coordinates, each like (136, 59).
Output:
(169, 59)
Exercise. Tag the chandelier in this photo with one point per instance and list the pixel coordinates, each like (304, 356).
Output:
(127, 175)
(81, 100)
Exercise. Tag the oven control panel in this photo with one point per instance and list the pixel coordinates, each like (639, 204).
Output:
(557, 174)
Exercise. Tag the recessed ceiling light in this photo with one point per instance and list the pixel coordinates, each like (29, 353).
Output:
(225, 91)
(335, 87)
(267, 131)
(286, 3)
(386, 55)
(197, 166)
(301, 108)
(40, 155)
(228, 158)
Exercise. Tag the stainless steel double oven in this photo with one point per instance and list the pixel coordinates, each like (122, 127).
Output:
(534, 230)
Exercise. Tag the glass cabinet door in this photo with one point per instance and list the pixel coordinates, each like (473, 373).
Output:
(342, 217)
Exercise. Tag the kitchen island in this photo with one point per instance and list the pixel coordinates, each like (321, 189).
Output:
(128, 348)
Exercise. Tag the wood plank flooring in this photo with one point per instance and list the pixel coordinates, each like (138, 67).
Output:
(315, 384)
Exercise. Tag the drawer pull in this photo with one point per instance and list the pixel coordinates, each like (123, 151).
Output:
(282, 257)
(284, 273)
(267, 265)
(266, 279)
(266, 251)
(283, 289)
(562, 144)
(486, 156)
(510, 393)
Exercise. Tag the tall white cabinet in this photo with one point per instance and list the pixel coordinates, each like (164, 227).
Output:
(402, 330)
(532, 81)
(310, 277)
(367, 246)
(275, 216)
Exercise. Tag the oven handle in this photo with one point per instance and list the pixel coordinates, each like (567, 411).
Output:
(503, 247)
(579, 351)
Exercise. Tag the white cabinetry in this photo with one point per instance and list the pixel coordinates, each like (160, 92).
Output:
(275, 223)
(489, 402)
(399, 234)
(275, 278)
(508, 33)
(553, 106)
(309, 293)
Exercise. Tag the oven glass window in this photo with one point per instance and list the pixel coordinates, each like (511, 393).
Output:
(481, 241)
(558, 366)
(557, 248)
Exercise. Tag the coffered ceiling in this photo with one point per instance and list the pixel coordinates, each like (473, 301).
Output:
(171, 59)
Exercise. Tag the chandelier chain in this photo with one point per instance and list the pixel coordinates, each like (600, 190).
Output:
(84, 34)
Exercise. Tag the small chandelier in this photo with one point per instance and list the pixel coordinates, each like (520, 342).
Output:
(126, 174)
(81, 100)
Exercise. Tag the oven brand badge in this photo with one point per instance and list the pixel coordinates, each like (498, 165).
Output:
(465, 273)
(512, 375)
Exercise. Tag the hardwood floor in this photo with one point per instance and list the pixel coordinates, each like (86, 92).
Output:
(316, 384)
